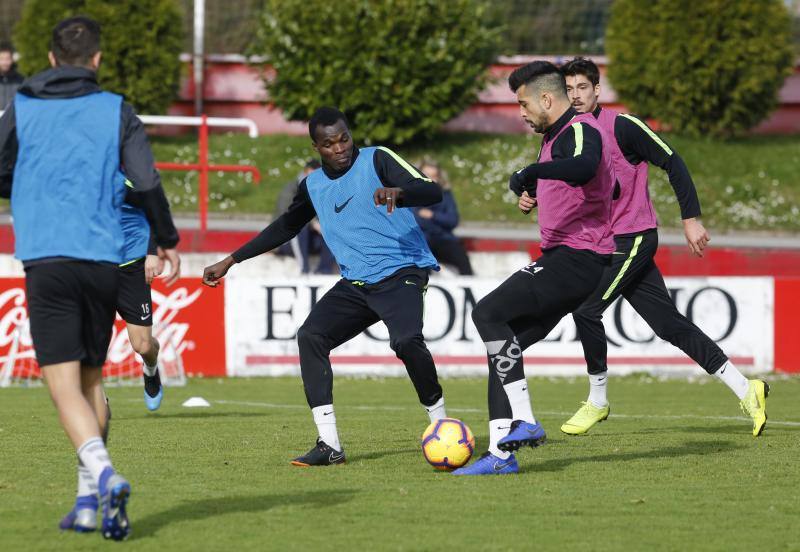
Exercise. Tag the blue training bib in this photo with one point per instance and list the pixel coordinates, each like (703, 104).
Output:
(368, 243)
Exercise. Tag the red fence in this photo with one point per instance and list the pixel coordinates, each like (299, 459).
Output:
(203, 167)
(234, 89)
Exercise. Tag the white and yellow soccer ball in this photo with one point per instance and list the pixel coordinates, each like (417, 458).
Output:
(448, 444)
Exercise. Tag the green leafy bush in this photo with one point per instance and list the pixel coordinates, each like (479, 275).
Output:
(704, 68)
(141, 44)
(397, 68)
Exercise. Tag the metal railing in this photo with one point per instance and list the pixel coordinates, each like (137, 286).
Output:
(202, 166)
(227, 122)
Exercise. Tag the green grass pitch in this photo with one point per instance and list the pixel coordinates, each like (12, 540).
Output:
(674, 468)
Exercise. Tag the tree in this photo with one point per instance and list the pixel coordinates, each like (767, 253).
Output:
(399, 69)
(141, 44)
(703, 68)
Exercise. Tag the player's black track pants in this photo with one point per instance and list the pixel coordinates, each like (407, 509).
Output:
(634, 275)
(524, 308)
(347, 310)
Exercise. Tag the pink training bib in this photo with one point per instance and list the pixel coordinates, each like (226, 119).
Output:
(632, 211)
(578, 216)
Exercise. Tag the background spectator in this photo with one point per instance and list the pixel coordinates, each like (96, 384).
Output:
(10, 79)
(438, 221)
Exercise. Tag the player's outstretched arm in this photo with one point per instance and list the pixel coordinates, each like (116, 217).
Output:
(404, 185)
(280, 231)
(216, 272)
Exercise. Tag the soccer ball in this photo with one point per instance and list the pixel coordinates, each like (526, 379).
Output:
(448, 444)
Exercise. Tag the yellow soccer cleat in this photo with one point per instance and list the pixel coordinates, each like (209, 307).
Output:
(585, 418)
(755, 404)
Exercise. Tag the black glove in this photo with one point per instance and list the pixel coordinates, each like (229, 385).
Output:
(523, 180)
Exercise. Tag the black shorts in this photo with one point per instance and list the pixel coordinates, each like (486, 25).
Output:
(560, 280)
(71, 310)
(535, 298)
(134, 303)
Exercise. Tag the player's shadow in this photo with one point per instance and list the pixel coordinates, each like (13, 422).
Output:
(730, 429)
(744, 429)
(381, 453)
(689, 448)
(203, 509)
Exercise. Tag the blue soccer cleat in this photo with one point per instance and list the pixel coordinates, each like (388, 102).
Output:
(153, 391)
(522, 434)
(489, 464)
(83, 516)
(114, 493)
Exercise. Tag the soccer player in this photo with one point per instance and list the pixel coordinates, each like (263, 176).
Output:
(572, 181)
(62, 143)
(383, 258)
(142, 263)
(633, 273)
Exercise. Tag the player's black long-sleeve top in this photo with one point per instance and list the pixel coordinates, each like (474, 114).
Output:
(640, 144)
(417, 192)
(566, 165)
(135, 155)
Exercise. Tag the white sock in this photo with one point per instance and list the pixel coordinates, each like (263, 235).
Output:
(436, 412)
(94, 457)
(87, 486)
(325, 418)
(497, 430)
(597, 389)
(148, 370)
(733, 378)
(520, 400)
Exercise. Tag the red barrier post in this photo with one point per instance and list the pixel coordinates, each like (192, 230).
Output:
(203, 169)
(203, 188)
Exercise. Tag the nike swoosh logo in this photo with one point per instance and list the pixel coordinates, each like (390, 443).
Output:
(618, 253)
(145, 317)
(498, 466)
(339, 208)
(410, 283)
(335, 457)
(327, 413)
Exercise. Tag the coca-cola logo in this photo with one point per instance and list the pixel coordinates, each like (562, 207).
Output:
(170, 333)
(168, 328)
(15, 335)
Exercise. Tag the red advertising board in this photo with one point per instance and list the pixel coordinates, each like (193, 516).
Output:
(787, 325)
(190, 321)
(188, 318)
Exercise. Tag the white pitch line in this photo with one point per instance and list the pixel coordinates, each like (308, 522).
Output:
(304, 407)
(546, 413)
